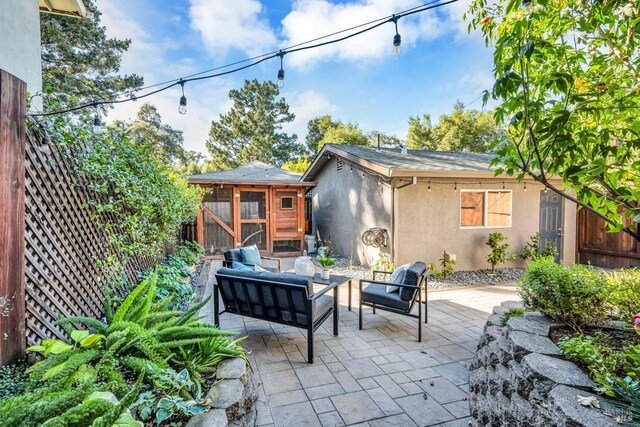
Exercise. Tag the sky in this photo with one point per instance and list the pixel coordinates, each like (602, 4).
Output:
(358, 80)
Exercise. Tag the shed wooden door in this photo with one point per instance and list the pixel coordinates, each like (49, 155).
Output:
(286, 220)
(551, 220)
(253, 218)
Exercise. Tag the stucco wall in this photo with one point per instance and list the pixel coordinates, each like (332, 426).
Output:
(20, 43)
(428, 223)
(345, 205)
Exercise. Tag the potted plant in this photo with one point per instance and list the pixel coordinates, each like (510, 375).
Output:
(325, 262)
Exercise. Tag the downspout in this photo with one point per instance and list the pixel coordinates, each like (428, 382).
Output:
(394, 216)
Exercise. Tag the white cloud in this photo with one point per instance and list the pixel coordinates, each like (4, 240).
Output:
(306, 105)
(237, 24)
(312, 18)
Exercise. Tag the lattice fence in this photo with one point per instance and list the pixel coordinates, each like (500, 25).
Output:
(63, 243)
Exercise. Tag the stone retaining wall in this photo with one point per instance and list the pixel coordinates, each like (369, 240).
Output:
(520, 378)
(232, 397)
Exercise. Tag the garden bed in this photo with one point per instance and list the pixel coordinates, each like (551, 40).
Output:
(455, 279)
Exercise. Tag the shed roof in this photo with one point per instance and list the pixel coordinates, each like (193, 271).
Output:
(391, 162)
(255, 172)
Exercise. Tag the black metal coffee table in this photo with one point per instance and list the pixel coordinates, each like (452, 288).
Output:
(341, 280)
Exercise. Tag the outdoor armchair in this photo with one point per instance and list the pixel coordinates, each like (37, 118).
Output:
(402, 301)
(236, 255)
(284, 298)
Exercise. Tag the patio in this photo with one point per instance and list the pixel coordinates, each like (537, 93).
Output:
(378, 376)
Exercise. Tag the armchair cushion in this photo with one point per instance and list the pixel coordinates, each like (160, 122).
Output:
(235, 265)
(378, 294)
(396, 277)
(412, 277)
(251, 255)
(233, 255)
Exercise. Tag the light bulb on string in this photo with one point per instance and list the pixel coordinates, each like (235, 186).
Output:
(429, 187)
(525, 186)
(455, 187)
(97, 124)
(281, 70)
(503, 187)
(397, 40)
(546, 190)
(182, 109)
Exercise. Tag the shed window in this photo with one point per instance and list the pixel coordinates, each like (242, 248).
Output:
(286, 203)
(485, 208)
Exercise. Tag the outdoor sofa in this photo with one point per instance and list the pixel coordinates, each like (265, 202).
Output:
(402, 300)
(284, 298)
(235, 255)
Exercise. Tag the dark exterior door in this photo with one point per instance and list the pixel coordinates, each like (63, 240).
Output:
(551, 220)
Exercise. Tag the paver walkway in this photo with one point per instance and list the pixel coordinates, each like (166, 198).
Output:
(380, 376)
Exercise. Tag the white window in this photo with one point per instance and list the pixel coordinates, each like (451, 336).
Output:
(485, 208)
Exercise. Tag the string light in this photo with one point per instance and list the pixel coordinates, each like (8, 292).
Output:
(545, 190)
(281, 71)
(182, 109)
(503, 187)
(525, 186)
(259, 59)
(97, 124)
(429, 187)
(397, 40)
(455, 187)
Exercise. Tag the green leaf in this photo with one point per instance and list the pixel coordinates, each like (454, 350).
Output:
(57, 347)
(78, 336)
(91, 340)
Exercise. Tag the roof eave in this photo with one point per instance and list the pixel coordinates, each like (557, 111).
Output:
(70, 8)
(320, 160)
(255, 183)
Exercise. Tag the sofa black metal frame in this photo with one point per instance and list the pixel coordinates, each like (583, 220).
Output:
(249, 295)
(407, 305)
(235, 255)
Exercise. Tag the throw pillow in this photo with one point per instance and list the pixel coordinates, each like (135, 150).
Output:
(240, 266)
(251, 255)
(396, 277)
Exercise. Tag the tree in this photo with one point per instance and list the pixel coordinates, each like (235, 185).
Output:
(420, 135)
(566, 77)
(324, 129)
(385, 139)
(462, 130)
(78, 60)
(299, 166)
(165, 142)
(252, 129)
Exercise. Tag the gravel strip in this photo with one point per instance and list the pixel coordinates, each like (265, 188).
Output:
(455, 279)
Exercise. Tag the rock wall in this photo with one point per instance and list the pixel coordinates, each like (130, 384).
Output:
(520, 378)
(232, 397)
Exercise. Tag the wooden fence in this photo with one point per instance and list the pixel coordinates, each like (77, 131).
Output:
(599, 247)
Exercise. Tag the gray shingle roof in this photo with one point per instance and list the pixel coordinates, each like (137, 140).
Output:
(420, 160)
(253, 172)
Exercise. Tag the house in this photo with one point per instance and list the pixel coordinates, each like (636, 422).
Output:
(253, 204)
(20, 37)
(422, 203)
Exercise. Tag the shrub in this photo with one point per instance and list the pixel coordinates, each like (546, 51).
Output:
(623, 292)
(533, 251)
(499, 250)
(446, 264)
(575, 295)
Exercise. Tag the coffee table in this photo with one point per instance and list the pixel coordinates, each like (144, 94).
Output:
(341, 280)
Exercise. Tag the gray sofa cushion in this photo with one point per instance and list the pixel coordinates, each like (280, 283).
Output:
(253, 296)
(378, 294)
(412, 277)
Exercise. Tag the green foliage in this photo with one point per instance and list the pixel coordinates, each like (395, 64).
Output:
(325, 261)
(324, 129)
(299, 166)
(469, 130)
(447, 264)
(533, 251)
(499, 250)
(79, 62)
(600, 359)
(139, 202)
(172, 395)
(252, 129)
(575, 295)
(162, 140)
(384, 264)
(623, 293)
(202, 357)
(13, 380)
(512, 312)
(566, 80)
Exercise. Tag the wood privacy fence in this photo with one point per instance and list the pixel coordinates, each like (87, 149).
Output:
(49, 244)
(599, 247)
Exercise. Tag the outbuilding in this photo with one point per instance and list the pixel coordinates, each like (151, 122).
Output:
(416, 204)
(257, 204)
